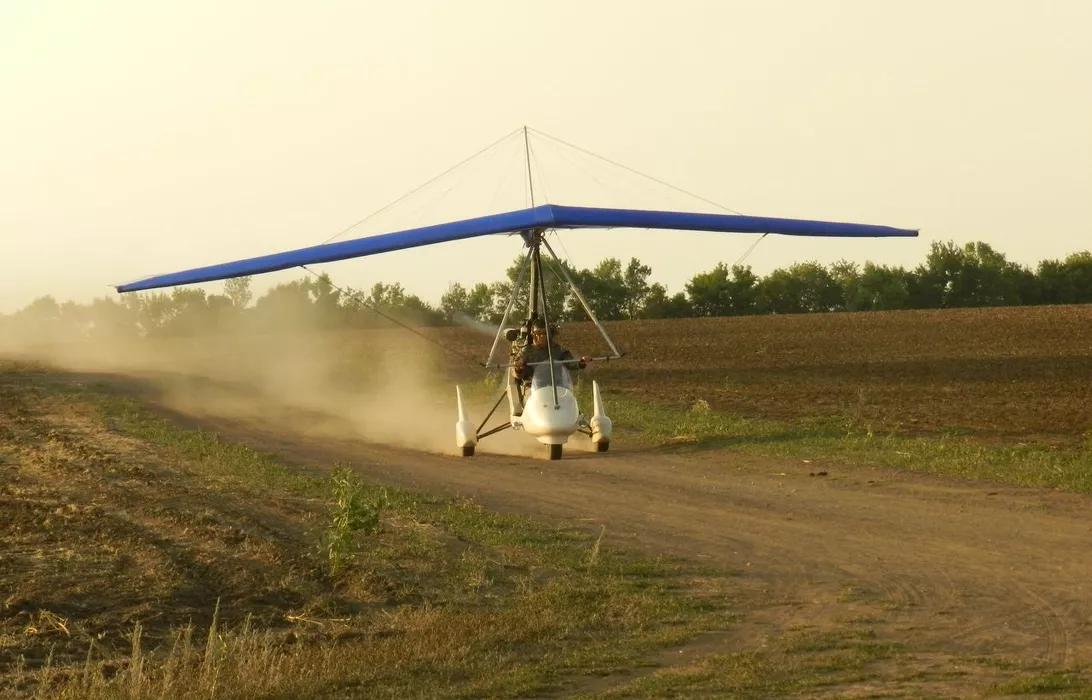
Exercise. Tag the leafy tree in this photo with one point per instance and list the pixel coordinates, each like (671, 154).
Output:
(476, 303)
(417, 311)
(989, 279)
(186, 313)
(635, 279)
(392, 301)
(744, 292)
(43, 309)
(938, 277)
(479, 302)
(284, 306)
(1029, 288)
(659, 305)
(848, 276)
(454, 302)
(723, 292)
(326, 300)
(604, 288)
(972, 275)
(802, 288)
(109, 319)
(354, 309)
(881, 288)
(41, 320)
(709, 293)
(501, 292)
(557, 291)
(1068, 281)
(387, 297)
(237, 289)
(156, 310)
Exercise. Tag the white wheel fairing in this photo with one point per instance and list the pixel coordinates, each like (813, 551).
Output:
(601, 425)
(466, 436)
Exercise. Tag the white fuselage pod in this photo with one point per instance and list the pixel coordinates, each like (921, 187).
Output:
(550, 425)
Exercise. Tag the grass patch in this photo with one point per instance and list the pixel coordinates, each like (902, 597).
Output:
(1072, 684)
(799, 662)
(844, 440)
(237, 465)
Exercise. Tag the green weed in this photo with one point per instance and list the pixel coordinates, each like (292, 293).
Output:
(352, 511)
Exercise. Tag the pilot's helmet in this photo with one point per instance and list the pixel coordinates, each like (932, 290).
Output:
(540, 325)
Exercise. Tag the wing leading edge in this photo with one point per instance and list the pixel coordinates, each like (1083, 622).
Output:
(545, 216)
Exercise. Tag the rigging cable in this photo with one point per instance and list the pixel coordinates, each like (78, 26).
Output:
(505, 177)
(571, 160)
(743, 257)
(637, 172)
(421, 187)
(559, 239)
(425, 208)
(533, 158)
(750, 250)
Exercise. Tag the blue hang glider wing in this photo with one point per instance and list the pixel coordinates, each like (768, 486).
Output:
(542, 217)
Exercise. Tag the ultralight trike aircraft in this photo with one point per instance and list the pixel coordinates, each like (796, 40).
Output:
(544, 405)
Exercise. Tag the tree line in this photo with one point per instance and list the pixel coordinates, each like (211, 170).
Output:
(974, 274)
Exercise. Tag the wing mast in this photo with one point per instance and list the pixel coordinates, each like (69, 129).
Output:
(537, 304)
(535, 238)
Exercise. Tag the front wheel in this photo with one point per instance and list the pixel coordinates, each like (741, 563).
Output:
(555, 451)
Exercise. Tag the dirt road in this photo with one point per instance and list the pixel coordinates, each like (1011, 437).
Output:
(951, 570)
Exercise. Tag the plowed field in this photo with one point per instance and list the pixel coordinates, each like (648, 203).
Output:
(1018, 372)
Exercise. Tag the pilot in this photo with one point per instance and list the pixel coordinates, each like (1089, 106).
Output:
(537, 352)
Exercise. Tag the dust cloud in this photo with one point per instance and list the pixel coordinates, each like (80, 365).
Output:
(384, 386)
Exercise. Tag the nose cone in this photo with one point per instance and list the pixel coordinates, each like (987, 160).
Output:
(550, 425)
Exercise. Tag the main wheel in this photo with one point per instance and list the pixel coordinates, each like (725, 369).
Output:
(468, 451)
(602, 446)
(555, 451)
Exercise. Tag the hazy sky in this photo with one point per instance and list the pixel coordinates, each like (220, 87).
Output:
(145, 137)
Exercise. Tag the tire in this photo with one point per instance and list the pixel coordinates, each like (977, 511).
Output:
(468, 451)
(555, 451)
(602, 446)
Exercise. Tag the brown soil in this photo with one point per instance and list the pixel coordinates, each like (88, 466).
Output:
(100, 531)
(952, 570)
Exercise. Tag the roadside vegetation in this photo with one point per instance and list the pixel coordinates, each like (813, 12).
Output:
(847, 440)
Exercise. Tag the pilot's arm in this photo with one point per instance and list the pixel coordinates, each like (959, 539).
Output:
(571, 363)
